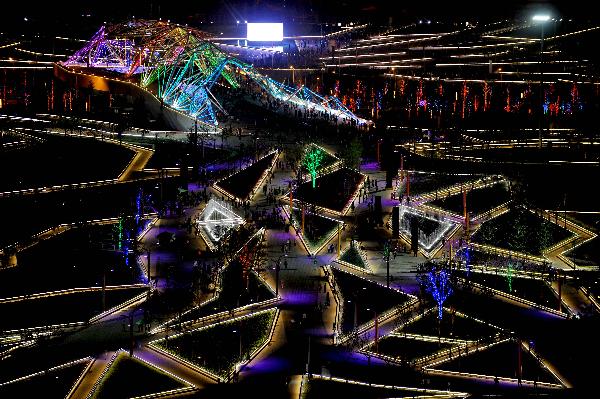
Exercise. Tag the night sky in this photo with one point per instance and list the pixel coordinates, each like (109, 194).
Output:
(323, 10)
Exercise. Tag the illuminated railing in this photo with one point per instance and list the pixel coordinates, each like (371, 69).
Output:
(424, 392)
(154, 346)
(163, 326)
(260, 181)
(311, 251)
(363, 256)
(516, 298)
(346, 207)
(121, 352)
(45, 372)
(341, 338)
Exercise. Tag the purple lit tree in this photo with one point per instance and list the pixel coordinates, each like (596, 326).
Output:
(438, 285)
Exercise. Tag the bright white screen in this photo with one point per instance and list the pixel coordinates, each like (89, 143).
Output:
(265, 32)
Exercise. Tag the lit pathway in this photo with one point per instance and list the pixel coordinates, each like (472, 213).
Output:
(86, 384)
(167, 363)
(572, 296)
(137, 164)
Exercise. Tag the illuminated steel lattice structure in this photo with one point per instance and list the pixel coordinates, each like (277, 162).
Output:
(180, 66)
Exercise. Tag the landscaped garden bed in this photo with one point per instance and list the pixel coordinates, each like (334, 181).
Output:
(241, 184)
(500, 360)
(78, 258)
(587, 254)
(236, 291)
(424, 182)
(479, 200)
(62, 160)
(365, 297)
(333, 191)
(520, 230)
(407, 349)
(52, 384)
(59, 309)
(451, 326)
(322, 388)
(70, 206)
(317, 229)
(534, 290)
(353, 256)
(219, 347)
(130, 377)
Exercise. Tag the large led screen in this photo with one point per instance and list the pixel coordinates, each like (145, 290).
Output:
(265, 32)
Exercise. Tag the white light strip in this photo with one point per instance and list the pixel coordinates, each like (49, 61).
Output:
(429, 393)
(44, 372)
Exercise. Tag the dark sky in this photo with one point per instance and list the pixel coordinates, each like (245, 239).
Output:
(322, 10)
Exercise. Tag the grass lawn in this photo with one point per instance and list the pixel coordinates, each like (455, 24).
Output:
(587, 254)
(500, 360)
(168, 154)
(364, 296)
(533, 290)
(332, 191)
(241, 183)
(217, 348)
(129, 377)
(479, 200)
(352, 255)
(520, 230)
(236, 292)
(26, 215)
(407, 349)
(54, 384)
(62, 160)
(318, 388)
(317, 229)
(423, 183)
(66, 308)
(450, 327)
(76, 258)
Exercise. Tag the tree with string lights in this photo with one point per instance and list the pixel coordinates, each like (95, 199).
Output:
(437, 283)
(509, 276)
(312, 161)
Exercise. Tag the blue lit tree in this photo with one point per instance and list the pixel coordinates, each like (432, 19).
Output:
(437, 284)
(139, 208)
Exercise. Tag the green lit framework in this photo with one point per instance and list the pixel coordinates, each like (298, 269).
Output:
(181, 65)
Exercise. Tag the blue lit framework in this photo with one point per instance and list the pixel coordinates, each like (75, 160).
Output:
(181, 66)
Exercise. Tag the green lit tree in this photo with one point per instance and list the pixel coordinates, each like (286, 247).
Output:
(509, 275)
(544, 236)
(312, 161)
(517, 241)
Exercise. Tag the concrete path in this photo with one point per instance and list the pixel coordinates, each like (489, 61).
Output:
(87, 382)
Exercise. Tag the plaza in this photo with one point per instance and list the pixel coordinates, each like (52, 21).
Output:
(186, 214)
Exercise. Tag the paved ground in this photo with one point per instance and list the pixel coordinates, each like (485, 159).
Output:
(304, 330)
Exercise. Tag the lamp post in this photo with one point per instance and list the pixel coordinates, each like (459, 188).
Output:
(541, 19)
(386, 257)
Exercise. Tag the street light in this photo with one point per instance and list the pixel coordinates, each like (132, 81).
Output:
(386, 257)
(541, 19)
